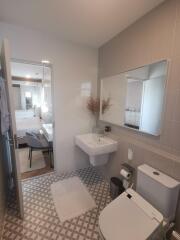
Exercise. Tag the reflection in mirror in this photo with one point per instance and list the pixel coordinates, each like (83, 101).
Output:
(136, 98)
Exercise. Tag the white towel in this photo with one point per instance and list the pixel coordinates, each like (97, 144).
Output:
(4, 108)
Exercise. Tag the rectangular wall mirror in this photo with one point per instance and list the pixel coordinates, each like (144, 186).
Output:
(135, 98)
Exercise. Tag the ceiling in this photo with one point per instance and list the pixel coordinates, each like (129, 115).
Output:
(30, 71)
(89, 22)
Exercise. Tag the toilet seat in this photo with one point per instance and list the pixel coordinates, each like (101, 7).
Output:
(129, 217)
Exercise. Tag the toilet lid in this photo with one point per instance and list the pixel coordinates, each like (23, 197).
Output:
(129, 217)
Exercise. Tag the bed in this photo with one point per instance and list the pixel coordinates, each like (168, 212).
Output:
(26, 121)
(47, 129)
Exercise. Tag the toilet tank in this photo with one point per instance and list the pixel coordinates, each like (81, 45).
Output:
(158, 189)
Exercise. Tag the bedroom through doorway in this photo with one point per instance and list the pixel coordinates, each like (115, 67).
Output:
(32, 94)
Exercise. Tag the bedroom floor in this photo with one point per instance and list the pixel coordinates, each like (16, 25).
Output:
(41, 221)
(37, 172)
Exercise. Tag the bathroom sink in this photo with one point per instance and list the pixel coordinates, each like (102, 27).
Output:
(96, 145)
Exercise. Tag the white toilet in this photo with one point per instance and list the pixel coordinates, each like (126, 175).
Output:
(144, 213)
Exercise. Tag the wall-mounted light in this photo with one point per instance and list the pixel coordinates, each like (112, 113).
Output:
(28, 76)
(28, 94)
(45, 61)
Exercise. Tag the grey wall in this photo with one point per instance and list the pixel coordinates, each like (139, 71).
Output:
(155, 36)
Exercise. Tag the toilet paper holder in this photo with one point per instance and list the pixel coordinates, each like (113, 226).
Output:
(127, 180)
(129, 168)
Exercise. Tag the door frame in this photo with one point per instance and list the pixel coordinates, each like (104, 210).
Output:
(6, 63)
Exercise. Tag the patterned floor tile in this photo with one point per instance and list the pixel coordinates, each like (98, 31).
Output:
(41, 221)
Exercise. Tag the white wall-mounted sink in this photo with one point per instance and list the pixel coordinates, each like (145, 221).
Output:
(98, 147)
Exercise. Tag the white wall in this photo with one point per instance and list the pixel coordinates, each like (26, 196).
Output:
(134, 95)
(152, 107)
(17, 97)
(72, 65)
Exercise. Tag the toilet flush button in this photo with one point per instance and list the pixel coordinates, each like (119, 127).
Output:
(129, 196)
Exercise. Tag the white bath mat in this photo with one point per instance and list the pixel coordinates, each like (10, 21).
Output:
(37, 160)
(71, 198)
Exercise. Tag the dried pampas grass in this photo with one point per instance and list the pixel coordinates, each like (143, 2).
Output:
(105, 105)
(93, 105)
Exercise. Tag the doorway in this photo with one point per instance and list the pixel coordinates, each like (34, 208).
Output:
(32, 94)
